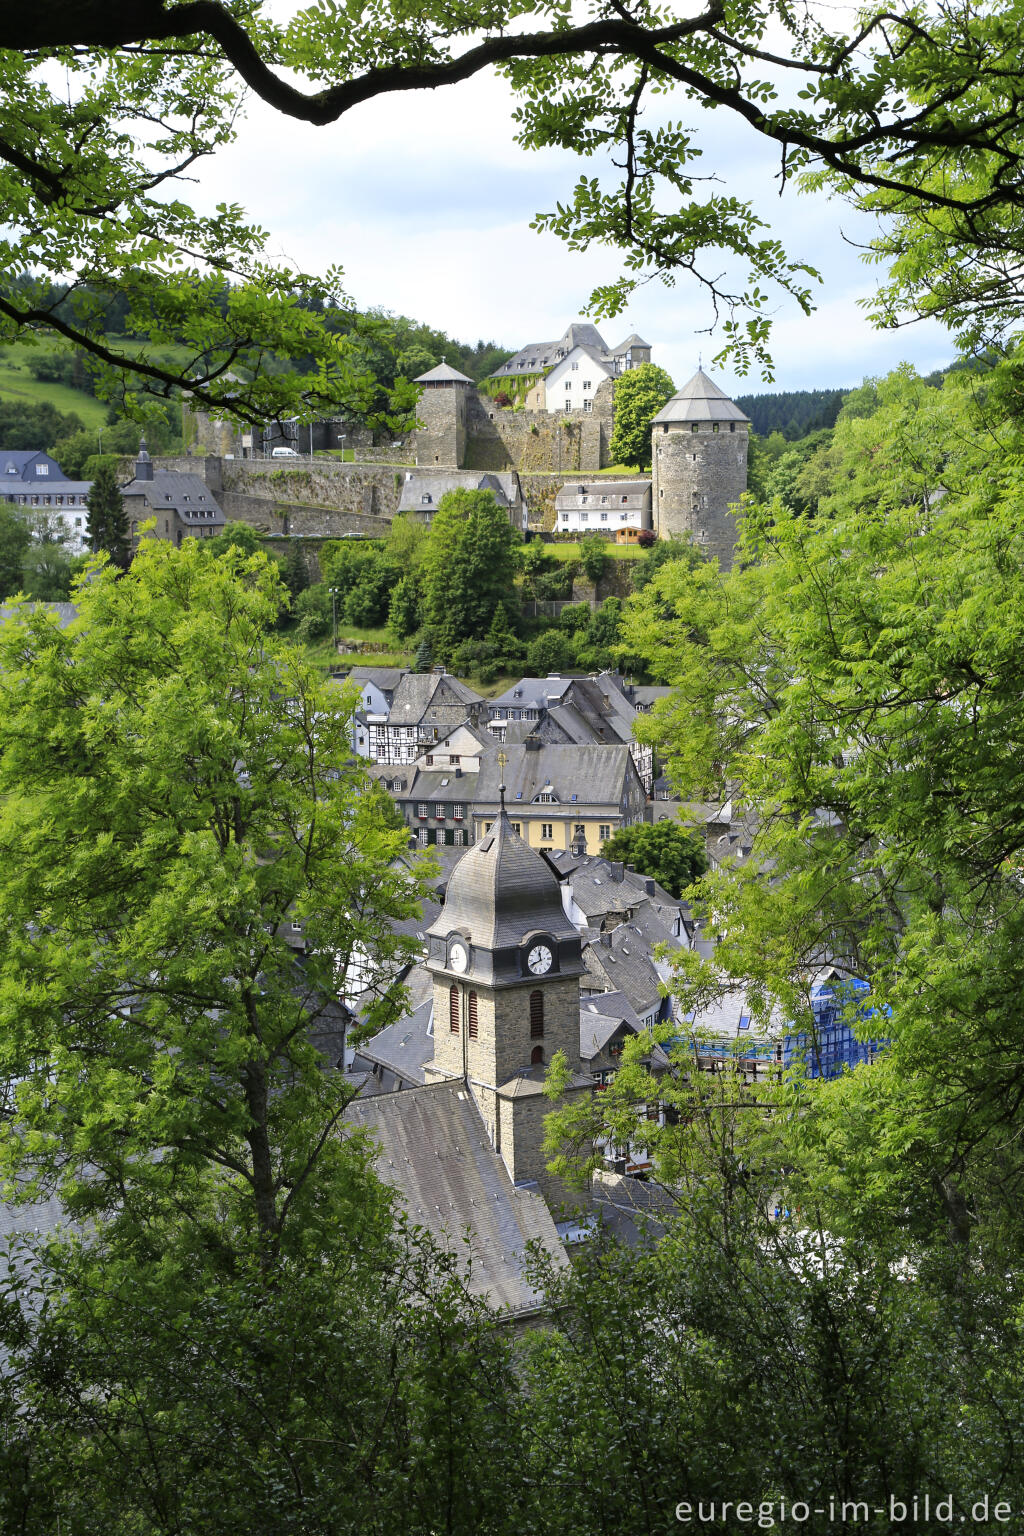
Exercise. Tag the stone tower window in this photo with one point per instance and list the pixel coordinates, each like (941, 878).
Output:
(732, 426)
(694, 427)
(715, 427)
(537, 1015)
(453, 1010)
(474, 1026)
(537, 1056)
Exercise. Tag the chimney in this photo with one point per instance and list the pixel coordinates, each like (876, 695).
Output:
(616, 872)
(649, 887)
(532, 743)
(606, 939)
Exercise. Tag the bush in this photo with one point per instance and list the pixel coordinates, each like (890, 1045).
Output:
(646, 537)
(574, 618)
(550, 652)
(313, 610)
(594, 556)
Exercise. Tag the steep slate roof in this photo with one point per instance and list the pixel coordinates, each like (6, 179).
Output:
(632, 341)
(420, 694)
(532, 693)
(596, 775)
(171, 491)
(384, 678)
(700, 400)
(501, 889)
(444, 373)
(541, 355)
(17, 466)
(405, 1046)
(434, 1151)
(503, 484)
(626, 965)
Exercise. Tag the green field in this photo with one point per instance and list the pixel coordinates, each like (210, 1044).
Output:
(17, 382)
(571, 549)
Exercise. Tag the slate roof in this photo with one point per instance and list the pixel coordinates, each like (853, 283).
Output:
(597, 889)
(531, 693)
(434, 1151)
(17, 465)
(540, 355)
(569, 494)
(384, 678)
(501, 889)
(504, 486)
(422, 694)
(700, 400)
(631, 341)
(444, 373)
(405, 1046)
(63, 613)
(595, 775)
(625, 963)
(185, 494)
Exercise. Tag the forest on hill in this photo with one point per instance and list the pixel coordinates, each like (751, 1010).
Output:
(794, 412)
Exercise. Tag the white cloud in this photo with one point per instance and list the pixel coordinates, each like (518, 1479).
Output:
(426, 203)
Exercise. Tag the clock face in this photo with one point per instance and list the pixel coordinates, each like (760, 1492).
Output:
(458, 957)
(539, 959)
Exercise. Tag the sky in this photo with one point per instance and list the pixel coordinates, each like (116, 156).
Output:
(425, 201)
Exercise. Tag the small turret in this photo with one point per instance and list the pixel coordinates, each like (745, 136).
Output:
(143, 464)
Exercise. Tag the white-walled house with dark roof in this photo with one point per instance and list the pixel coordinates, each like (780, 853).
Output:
(34, 482)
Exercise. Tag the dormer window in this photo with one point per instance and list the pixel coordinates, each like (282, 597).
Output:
(426, 500)
(42, 469)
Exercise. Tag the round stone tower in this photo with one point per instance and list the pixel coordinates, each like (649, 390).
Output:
(699, 450)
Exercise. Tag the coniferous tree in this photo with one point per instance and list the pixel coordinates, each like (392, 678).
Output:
(108, 519)
(295, 572)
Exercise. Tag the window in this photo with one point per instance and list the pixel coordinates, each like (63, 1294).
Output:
(42, 469)
(545, 798)
(694, 427)
(422, 836)
(425, 501)
(575, 366)
(458, 811)
(624, 500)
(604, 831)
(459, 837)
(422, 811)
(586, 382)
(537, 1015)
(439, 812)
(584, 517)
(474, 1026)
(516, 828)
(579, 830)
(568, 383)
(732, 426)
(588, 405)
(453, 1010)
(537, 1056)
(546, 830)
(429, 759)
(604, 517)
(715, 428)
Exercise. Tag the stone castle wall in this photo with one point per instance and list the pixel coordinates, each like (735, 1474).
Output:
(440, 438)
(538, 442)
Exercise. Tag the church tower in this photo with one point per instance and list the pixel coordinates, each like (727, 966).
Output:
(699, 455)
(506, 965)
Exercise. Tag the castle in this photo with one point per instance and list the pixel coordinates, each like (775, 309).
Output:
(546, 412)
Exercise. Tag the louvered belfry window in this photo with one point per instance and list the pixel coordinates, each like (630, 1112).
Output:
(453, 1010)
(537, 1015)
(473, 1024)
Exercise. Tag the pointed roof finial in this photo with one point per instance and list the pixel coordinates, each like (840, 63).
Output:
(502, 761)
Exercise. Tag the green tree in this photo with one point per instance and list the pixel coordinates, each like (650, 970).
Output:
(594, 556)
(857, 681)
(469, 565)
(46, 572)
(108, 522)
(295, 570)
(404, 608)
(235, 536)
(14, 542)
(112, 242)
(424, 659)
(549, 654)
(662, 849)
(640, 394)
(199, 779)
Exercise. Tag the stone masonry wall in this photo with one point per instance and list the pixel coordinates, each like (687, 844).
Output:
(540, 490)
(538, 441)
(698, 477)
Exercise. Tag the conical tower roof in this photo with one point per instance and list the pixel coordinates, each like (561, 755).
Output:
(700, 400)
(500, 891)
(444, 373)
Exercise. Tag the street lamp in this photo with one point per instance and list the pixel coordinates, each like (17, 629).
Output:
(99, 438)
(334, 617)
(342, 441)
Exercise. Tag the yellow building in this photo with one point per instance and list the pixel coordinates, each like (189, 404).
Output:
(560, 797)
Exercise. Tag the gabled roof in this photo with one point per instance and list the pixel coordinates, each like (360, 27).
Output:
(504, 484)
(420, 694)
(700, 400)
(171, 491)
(435, 1153)
(625, 963)
(632, 341)
(19, 464)
(587, 776)
(405, 1046)
(385, 678)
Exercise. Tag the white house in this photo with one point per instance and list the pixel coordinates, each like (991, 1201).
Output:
(603, 506)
